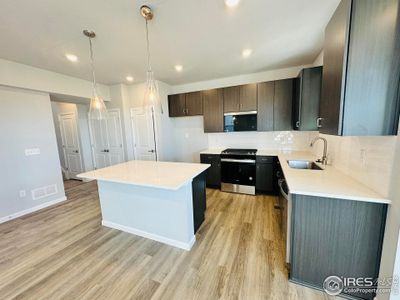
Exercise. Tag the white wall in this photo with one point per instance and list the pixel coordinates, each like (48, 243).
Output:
(22, 76)
(26, 122)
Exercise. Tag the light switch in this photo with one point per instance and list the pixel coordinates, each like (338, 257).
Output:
(22, 193)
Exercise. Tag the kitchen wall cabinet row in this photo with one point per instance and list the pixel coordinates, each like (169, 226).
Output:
(272, 100)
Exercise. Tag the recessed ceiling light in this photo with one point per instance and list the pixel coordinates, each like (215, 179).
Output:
(231, 3)
(246, 52)
(179, 68)
(71, 57)
(129, 78)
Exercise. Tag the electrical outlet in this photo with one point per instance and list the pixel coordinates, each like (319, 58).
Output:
(32, 151)
(22, 193)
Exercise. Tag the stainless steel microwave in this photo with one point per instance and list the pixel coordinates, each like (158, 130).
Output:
(240, 121)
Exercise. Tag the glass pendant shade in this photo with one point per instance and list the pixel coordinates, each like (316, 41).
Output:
(97, 109)
(151, 94)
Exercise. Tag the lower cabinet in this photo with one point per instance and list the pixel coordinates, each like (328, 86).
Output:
(265, 174)
(335, 237)
(213, 178)
(199, 200)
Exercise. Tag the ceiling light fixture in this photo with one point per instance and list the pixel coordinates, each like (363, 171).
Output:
(231, 3)
(97, 110)
(247, 52)
(129, 78)
(71, 57)
(179, 68)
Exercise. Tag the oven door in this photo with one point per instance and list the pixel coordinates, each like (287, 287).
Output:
(238, 175)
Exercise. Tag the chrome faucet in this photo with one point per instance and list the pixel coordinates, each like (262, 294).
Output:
(324, 159)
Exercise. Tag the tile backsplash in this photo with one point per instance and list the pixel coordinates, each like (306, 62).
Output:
(367, 159)
(280, 140)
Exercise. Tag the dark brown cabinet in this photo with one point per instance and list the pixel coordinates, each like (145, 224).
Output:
(306, 100)
(283, 99)
(231, 99)
(183, 105)
(265, 106)
(240, 98)
(213, 178)
(213, 110)
(361, 69)
(248, 97)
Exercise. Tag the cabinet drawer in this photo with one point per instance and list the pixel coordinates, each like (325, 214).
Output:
(209, 158)
(265, 159)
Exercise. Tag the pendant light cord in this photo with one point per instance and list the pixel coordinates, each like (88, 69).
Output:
(92, 64)
(148, 46)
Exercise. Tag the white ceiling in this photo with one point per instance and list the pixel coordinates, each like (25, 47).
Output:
(202, 35)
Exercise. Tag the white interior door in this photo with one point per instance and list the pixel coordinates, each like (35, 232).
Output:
(114, 137)
(106, 136)
(142, 127)
(70, 141)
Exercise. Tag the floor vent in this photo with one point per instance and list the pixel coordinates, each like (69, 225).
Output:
(43, 192)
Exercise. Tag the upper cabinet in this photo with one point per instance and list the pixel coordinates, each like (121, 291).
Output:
(265, 106)
(182, 105)
(213, 108)
(283, 101)
(307, 96)
(240, 98)
(361, 69)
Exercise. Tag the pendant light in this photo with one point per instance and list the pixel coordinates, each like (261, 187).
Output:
(151, 95)
(97, 110)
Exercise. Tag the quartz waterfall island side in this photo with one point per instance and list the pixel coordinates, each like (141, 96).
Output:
(162, 201)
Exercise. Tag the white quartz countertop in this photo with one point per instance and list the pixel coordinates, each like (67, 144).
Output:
(330, 182)
(164, 175)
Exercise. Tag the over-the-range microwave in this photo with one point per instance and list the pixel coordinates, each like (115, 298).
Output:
(240, 121)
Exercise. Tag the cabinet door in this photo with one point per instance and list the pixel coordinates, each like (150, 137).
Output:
(306, 99)
(283, 98)
(248, 97)
(213, 106)
(177, 105)
(231, 99)
(265, 106)
(194, 104)
(213, 178)
(265, 174)
(335, 60)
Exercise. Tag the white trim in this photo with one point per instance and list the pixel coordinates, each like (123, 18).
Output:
(152, 236)
(31, 210)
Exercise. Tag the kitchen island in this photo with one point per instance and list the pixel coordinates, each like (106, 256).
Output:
(162, 201)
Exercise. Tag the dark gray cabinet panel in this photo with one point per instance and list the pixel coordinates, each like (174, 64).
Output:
(199, 200)
(213, 110)
(265, 174)
(248, 97)
(265, 106)
(177, 105)
(373, 69)
(231, 99)
(283, 101)
(214, 172)
(335, 237)
(307, 98)
(361, 69)
(194, 104)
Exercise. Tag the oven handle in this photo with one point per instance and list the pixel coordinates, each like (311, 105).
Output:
(245, 161)
(280, 182)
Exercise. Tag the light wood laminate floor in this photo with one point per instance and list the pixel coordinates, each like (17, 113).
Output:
(63, 252)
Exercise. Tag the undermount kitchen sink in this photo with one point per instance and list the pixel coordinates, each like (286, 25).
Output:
(303, 164)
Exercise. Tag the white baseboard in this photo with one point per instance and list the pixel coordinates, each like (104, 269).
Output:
(31, 210)
(152, 236)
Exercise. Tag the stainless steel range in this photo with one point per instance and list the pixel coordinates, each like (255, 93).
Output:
(238, 171)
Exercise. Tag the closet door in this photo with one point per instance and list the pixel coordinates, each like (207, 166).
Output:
(98, 134)
(114, 137)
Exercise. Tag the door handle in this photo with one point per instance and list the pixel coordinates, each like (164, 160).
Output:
(76, 151)
(151, 151)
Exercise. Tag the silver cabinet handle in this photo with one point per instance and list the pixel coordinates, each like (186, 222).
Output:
(298, 124)
(319, 120)
(245, 161)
